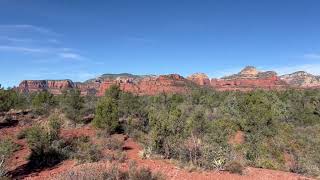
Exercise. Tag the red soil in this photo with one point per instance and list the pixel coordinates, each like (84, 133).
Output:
(164, 166)
(237, 139)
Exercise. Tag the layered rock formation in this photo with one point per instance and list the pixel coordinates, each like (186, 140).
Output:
(302, 79)
(172, 83)
(88, 88)
(53, 86)
(247, 79)
(200, 79)
(141, 85)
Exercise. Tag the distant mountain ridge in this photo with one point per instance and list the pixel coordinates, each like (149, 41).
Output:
(247, 79)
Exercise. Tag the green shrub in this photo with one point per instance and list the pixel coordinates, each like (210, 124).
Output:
(10, 99)
(72, 105)
(121, 156)
(114, 173)
(7, 148)
(47, 149)
(107, 111)
(234, 167)
(43, 102)
(42, 154)
(143, 173)
(114, 143)
(106, 116)
(84, 151)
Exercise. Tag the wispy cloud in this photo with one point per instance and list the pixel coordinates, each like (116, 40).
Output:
(312, 56)
(61, 53)
(22, 49)
(54, 41)
(42, 42)
(17, 40)
(15, 27)
(69, 55)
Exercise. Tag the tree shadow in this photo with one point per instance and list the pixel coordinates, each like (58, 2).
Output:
(25, 170)
(127, 148)
(36, 164)
(9, 124)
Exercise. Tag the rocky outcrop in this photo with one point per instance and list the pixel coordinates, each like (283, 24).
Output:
(53, 86)
(152, 85)
(267, 83)
(89, 88)
(200, 79)
(141, 85)
(302, 79)
(249, 79)
(251, 72)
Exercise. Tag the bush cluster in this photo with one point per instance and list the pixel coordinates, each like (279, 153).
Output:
(195, 128)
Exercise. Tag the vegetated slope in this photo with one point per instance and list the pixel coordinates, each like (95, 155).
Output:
(199, 130)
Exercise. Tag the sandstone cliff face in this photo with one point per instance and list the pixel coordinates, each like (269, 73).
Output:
(249, 79)
(53, 86)
(172, 83)
(243, 84)
(200, 79)
(302, 79)
(89, 88)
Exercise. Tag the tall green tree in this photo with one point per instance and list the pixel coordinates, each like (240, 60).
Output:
(42, 102)
(107, 110)
(73, 105)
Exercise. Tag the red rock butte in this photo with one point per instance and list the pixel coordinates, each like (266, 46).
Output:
(246, 80)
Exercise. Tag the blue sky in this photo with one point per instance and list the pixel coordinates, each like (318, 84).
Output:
(56, 39)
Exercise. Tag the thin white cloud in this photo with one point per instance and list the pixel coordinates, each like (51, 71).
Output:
(22, 49)
(54, 41)
(29, 27)
(27, 40)
(61, 53)
(312, 56)
(16, 40)
(70, 55)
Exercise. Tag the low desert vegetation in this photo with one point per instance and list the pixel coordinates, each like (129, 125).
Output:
(48, 148)
(112, 172)
(7, 148)
(193, 128)
(134, 173)
(84, 151)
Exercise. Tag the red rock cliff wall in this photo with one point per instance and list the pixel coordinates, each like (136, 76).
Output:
(267, 83)
(53, 86)
(150, 85)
